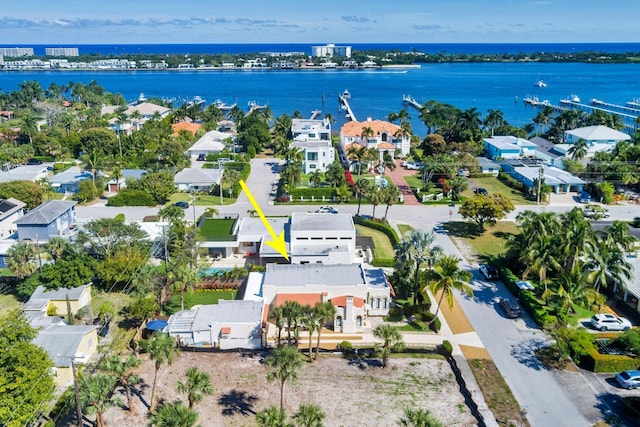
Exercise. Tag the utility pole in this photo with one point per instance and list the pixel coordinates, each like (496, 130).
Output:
(166, 268)
(77, 392)
(221, 169)
(540, 175)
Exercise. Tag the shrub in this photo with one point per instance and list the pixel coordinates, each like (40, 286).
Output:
(128, 197)
(383, 262)
(428, 317)
(630, 341)
(510, 181)
(317, 193)
(509, 279)
(447, 347)
(151, 218)
(597, 362)
(636, 222)
(538, 311)
(345, 346)
(380, 226)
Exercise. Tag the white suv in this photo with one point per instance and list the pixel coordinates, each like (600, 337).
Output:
(609, 322)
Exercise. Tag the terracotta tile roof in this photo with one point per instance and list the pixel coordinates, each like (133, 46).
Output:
(191, 127)
(385, 146)
(378, 126)
(342, 301)
(225, 330)
(303, 299)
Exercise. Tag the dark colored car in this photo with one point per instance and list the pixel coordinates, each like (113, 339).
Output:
(511, 308)
(34, 162)
(482, 191)
(201, 157)
(183, 205)
(489, 271)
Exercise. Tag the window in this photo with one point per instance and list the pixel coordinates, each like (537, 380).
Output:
(371, 302)
(384, 303)
(338, 321)
(377, 302)
(359, 321)
(304, 262)
(312, 156)
(384, 137)
(312, 166)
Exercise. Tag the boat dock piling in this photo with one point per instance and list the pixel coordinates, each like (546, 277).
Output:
(345, 102)
(409, 100)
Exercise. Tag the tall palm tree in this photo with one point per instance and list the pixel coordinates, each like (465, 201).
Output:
(122, 370)
(29, 127)
(210, 212)
(607, 261)
(292, 311)
(361, 187)
(418, 418)
(95, 393)
(316, 177)
(571, 289)
(359, 152)
(182, 278)
(391, 341)
(366, 133)
(173, 415)
(309, 416)
(446, 276)
(272, 417)
(375, 198)
(617, 234)
(390, 196)
(323, 312)
(414, 250)
(198, 385)
(493, 119)
(579, 149)
(162, 348)
(284, 363)
(56, 247)
(21, 259)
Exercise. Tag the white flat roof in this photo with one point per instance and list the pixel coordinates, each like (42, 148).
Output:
(306, 221)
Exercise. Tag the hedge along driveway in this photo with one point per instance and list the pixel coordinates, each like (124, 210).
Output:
(384, 248)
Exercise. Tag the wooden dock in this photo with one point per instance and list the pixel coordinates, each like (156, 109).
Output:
(409, 100)
(345, 102)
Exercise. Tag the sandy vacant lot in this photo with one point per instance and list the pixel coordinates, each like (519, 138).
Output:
(352, 393)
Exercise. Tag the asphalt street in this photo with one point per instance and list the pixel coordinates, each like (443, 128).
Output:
(550, 399)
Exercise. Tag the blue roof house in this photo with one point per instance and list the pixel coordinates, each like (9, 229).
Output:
(52, 218)
(68, 180)
(508, 147)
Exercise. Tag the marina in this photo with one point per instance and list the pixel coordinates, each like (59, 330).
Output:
(409, 100)
(344, 99)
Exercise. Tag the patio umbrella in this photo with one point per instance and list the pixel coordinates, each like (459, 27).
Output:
(156, 325)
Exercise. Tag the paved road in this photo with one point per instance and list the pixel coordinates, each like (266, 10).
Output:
(511, 343)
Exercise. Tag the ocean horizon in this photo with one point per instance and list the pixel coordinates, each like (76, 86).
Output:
(243, 48)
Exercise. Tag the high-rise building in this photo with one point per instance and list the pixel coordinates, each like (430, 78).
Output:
(330, 50)
(16, 51)
(61, 51)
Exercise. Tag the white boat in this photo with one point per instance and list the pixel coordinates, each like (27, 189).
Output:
(346, 94)
(574, 98)
(541, 83)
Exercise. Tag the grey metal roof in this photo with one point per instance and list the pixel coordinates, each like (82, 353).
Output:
(313, 274)
(598, 133)
(197, 176)
(633, 285)
(376, 278)
(303, 221)
(62, 342)
(486, 163)
(9, 206)
(228, 312)
(46, 213)
(71, 175)
(58, 294)
(24, 173)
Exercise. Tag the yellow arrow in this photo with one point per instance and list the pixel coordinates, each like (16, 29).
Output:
(278, 241)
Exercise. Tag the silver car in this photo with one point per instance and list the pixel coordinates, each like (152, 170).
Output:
(609, 322)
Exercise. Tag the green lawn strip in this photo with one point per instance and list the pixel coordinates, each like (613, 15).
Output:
(5, 272)
(197, 298)
(497, 393)
(493, 185)
(202, 199)
(383, 247)
(404, 228)
(217, 227)
(8, 303)
(491, 244)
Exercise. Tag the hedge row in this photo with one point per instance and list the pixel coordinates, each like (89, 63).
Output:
(383, 262)
(597, 362)
(509, 279)
(511, 181)
(380, 226)
(317, 193)
(128, 197)
(538, 312)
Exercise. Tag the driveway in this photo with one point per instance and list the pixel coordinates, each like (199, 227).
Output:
(397, 177)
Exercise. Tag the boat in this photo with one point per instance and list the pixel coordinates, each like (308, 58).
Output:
(346, 94)
(540, 83)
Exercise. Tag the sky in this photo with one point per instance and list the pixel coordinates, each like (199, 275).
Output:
(49, 22)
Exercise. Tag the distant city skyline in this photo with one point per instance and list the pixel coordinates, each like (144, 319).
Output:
(286, 21)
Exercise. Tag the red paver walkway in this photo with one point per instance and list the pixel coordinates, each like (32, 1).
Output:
(397, 177)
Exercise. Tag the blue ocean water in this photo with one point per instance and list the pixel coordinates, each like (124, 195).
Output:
(375, 93)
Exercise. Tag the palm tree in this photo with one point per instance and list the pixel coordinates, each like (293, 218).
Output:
(173, 415)
(390, 196)
(391, 341)
(29, 127)
(122, 370)
(284, 363)
(375, 198)
(572, 289)
(316, 177)
(162, 348)
(21, 258)
(361, 187)
(323, 312)
(272, 417)
(579, 149)
(56, 247)
(617, 234)
(418, 418)
(95, 393)
(493, 119)
(210, 212)
(292, 311)
(197, 385)
(415, 249)
(607, 261)
(446, 276)
(182, 278)
(309, 416)
(366, 133)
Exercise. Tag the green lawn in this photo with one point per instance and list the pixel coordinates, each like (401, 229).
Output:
(197, 298)
(493, 185)
(383, 247)
(404, 228)
(217, 228)
(8, 303)
(491, 244)
(201, 199)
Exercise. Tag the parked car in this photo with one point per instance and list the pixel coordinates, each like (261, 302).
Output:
(628, 379)
(511, 308)
(482, 191)
(34, 161)
(584, 197)
(609, 322)
(327, 209)
(183, 205)
(439, 228)
(201, 157)
(488, 271)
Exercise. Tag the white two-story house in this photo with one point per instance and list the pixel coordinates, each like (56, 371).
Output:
(313, 137)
